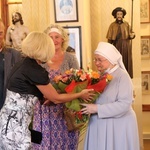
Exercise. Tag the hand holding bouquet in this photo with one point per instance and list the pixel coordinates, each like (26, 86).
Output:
(74, 81)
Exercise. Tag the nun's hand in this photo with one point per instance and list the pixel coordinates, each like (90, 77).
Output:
(89, 108)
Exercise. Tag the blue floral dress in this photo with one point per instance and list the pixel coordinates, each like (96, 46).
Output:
(55, 133)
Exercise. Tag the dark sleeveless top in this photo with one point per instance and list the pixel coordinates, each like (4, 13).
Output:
(24, 77)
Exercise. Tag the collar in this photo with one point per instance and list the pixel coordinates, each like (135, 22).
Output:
(113, 69)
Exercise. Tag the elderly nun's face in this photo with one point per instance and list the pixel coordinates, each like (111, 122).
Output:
(101, 63)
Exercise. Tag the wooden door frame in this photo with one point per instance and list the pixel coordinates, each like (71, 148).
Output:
(4, 12)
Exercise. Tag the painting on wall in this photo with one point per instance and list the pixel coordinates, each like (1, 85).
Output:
(145, 11)
(66, 10)
(145, 47)
(75, 42)
(146, 107)
(145, 82)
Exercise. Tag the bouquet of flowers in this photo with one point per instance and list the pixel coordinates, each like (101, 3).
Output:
(74, 81)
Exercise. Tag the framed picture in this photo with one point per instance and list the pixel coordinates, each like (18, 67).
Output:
(145, 47)
(146, 107)
(146, 82)
(75, 44)
(66, 10)
(145, 11)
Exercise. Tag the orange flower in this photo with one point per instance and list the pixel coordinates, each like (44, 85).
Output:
(95, 75)
(65, 79)
(83, 77)
(57, 78)
(109, 77)
(68, 72)
(79, 72)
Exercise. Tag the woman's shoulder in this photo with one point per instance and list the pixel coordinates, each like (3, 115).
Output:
(70, 61)
(30, 64)
(69, 55)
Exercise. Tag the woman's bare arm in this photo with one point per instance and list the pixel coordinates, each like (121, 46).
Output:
(51, 94)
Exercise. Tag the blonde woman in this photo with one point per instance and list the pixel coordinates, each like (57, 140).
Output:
(28, 83)
(54, 129)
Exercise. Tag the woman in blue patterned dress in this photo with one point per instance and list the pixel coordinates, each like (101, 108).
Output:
(54, 129)
(28, 83)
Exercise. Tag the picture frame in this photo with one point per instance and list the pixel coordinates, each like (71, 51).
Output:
(145, 11)
(146, 107)
(75, 42)
(145, 47)
(66, 10)
(145, 82)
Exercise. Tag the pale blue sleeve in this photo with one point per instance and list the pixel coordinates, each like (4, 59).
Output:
(117, 98)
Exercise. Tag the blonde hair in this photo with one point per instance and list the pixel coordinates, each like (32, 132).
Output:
(64, 35)
(39, 46)
(3, 26)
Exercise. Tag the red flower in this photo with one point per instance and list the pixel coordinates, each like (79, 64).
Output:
(79, 115)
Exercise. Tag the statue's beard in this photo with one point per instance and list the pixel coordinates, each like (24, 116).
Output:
(119, 20)
(15, 21)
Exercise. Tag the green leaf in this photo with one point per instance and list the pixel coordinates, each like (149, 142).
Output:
(62, 86)
(74, 105)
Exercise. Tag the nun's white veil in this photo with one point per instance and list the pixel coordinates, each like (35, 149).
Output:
(110, 52)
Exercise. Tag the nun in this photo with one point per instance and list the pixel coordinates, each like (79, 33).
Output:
(113, 123)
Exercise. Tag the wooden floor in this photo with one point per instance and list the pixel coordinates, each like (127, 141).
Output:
(147, 144)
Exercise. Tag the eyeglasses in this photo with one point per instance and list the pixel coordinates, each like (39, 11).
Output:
(99, 60)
